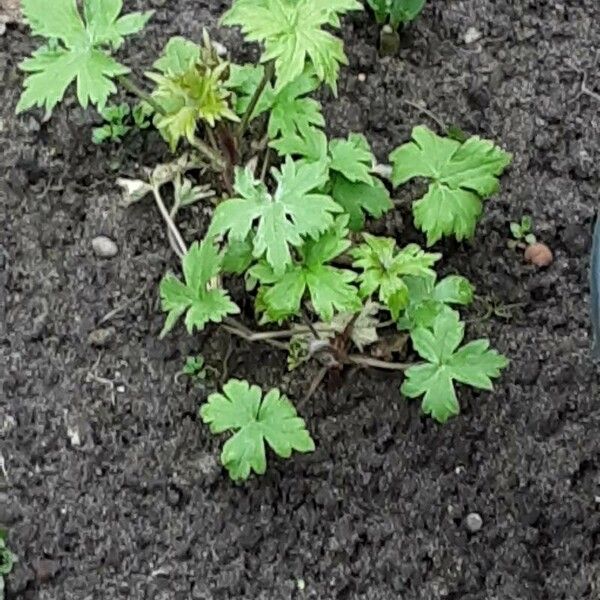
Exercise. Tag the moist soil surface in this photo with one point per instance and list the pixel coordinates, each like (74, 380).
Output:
(112, 487)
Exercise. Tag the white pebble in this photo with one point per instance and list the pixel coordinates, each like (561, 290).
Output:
(472, 35)
(474, 522)
(362, 77)
(104, 247)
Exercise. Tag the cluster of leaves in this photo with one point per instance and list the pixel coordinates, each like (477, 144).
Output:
(7, 561)
(189, 89)
(296, 233)
(396, 12)
(119, 120)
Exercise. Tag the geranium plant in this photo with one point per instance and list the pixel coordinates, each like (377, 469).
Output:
(291, 208)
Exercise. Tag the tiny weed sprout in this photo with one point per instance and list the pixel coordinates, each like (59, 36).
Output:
(119, 120)
(523, 232)
(194, 367)
(289, 209)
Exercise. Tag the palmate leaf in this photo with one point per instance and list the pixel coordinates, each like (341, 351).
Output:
(290, 110)
(78, 50)
(461, 174)
(352, 158)
(283, 219)
(474, 364)
(427, 299)
(353, 186)
(256, 420)
(330, 289)
(194, 297)
(292, 33)
(384, 270)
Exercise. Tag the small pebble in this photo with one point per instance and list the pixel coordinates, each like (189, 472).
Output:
(474, 522)
(472, 35)
(539, 255)
(101, 338)
(220, 49)
(74, 435)
(104, 247)
(362, 77)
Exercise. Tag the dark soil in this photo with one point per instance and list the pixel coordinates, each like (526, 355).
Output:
(112, 487)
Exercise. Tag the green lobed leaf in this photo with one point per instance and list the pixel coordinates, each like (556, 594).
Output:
(256, 420)
(194, 297)
(350, 162)
(330, 289)
(358, 199)
(352, 158)
(384, 269)
(281, 220)
(292, 111)
(78, 55)
(474, 364)
(292, 33)
(461, 175)
(427, 299)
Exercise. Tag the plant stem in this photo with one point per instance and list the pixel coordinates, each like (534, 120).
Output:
(179, 246)
(132, 87)
(367, 361)
(212, 139)
(266, 162)
(267, 76)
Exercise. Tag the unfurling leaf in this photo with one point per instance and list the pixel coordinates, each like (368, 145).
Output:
(190, 88)
(255, 420)
(384, 270)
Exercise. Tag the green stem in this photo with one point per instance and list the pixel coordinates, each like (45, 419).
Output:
(132, 87)
(179, 245)
(367, 361)
(267, 76)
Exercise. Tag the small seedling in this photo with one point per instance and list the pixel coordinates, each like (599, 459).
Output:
(7, 561)
(195, 368)
(288, 208)
(523, 232)
(536, 253)
(115, 127)
(391, 15)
